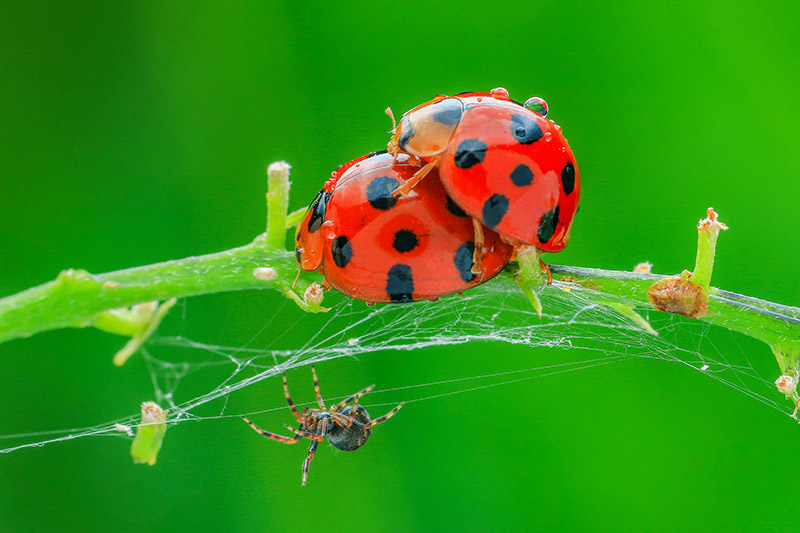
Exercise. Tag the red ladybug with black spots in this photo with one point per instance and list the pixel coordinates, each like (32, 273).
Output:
(502, 162)
(375, 247)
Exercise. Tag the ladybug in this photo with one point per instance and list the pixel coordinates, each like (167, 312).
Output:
(375, 247)
(502, 162)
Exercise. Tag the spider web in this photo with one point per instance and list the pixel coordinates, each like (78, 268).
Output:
(585, 333)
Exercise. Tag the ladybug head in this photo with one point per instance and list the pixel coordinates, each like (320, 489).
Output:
(426, 130)
(309, 238)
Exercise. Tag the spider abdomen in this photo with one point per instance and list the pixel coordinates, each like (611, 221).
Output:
(354, 437)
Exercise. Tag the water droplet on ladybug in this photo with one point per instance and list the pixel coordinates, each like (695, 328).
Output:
(370, 304)
(328, 230)
(353, 292)
(500, 92)
(537, 105)
(480, 99)
(548, 136)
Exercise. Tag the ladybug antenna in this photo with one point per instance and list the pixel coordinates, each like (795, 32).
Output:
(391, 115)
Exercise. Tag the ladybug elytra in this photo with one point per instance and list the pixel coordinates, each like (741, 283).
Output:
(502, 162)
(375, 247)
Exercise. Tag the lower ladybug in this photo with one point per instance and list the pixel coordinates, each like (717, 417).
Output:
(374, 247)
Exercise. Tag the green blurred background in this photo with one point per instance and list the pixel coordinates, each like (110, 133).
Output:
(138, 132)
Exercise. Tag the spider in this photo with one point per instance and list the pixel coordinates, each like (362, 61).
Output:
(347, 426)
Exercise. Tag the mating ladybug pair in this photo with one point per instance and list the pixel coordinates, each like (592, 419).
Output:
(465, 180)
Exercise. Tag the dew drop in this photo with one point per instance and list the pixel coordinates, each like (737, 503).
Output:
(537, 105)
(500, 92)
(548, 136)
(370, 304)
(480, 99)
(329, 230)
(353, 292)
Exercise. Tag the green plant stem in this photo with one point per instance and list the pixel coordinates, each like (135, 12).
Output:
(774, 324)
(277, 204)
(76, 297)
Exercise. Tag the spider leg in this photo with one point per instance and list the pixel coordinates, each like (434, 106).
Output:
(385, 417)
(355, 405)
(273, 436)
(307, 462)
(341, 405)
(313, 448)
(301, 433)
(289, 399)
(316, 388)
(339, 419)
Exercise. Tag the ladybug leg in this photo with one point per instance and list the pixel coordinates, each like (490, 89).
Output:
(477, 254)
(391, 116)
(546, 270)
(297, 278)
(404, 189)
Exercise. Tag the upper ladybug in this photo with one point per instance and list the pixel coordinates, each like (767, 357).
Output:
(502, 162)
(374, 247)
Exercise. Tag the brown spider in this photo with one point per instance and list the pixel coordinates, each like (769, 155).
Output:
(347, 426)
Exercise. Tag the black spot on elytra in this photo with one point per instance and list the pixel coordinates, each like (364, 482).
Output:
(494, 210)
(317, 209)
(341, 251)
(449, 112)
(408, 132)
(522, 176)
(400, 284)
(454, 209)
(568, 178)
(469, 153)
(379, 192)
(405, 241)
(463, 261)
(547, 225)
(525, 129)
